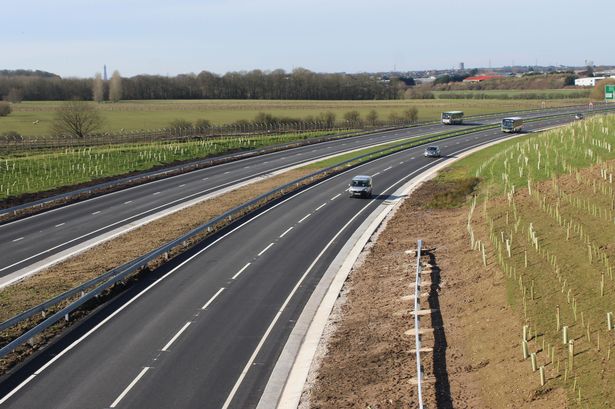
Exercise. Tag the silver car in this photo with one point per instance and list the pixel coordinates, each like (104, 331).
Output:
(360, 186)
(432, 152)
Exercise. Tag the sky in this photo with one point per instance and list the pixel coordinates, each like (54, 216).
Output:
(75, 38)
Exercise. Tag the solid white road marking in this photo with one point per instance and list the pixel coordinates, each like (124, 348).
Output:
(287, 230)
(96, 212)
(305, 217)
(320, 207)
(20, 238)
(129, 387)
(61, 224)
(158, 281)
(168, 345)
(265, 249)
(208, 303)
(336, 196)
(14, 391)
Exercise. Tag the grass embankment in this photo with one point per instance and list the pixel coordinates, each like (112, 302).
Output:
(40, 172)
(545, 215)
(143, 115)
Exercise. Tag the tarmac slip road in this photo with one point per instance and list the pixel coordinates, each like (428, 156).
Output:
(205, 330)
(33, 243)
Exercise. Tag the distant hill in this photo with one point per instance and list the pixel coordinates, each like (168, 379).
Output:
(27, 73)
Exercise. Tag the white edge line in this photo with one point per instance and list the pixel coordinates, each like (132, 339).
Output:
(248, 365)
(265, 249)
(287, 230)
(168, 345)
(148, 288)
(298, 372)
(14, 391)
(129, 387)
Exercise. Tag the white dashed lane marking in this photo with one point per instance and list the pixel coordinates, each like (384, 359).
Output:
(265, 249)
(286, 232)
(208, 303)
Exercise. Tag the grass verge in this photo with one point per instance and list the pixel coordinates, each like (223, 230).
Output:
(544, 215)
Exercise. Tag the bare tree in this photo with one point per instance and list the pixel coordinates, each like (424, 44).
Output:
(98, 90)
(77, 119)
(15, 96)
(115, 87)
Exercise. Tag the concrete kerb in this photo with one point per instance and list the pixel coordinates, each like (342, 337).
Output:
(287, 380)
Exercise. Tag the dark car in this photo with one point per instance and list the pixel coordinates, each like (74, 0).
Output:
(432, 152)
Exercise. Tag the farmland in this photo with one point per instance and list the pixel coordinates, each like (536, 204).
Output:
(143, 115)
(544, 215)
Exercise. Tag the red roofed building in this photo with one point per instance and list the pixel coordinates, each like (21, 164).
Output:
(480, 78)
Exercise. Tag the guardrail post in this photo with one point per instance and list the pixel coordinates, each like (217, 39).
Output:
(67, 317)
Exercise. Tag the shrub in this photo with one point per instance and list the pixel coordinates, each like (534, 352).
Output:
(5, 108)
(11, 135)
(180, 127)
(353, 117)
(203, 124)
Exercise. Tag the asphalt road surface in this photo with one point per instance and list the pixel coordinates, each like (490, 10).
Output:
(205, 330)
(38, 241)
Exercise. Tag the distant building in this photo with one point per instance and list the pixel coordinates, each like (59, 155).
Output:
(462, 66)
(587, 82)
(480, 78)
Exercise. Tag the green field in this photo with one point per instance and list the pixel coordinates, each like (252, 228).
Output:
(143, 115)
(38, 172)
(544, 214)
(537, 94)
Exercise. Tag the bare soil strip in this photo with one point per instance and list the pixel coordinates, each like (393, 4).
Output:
(366, 359)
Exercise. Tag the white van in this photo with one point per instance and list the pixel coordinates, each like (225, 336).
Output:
(360, 186)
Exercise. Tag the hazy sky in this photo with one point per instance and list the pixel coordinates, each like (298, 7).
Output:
(76, 37)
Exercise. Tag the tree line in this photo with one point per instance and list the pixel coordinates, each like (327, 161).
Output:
(255, 84)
